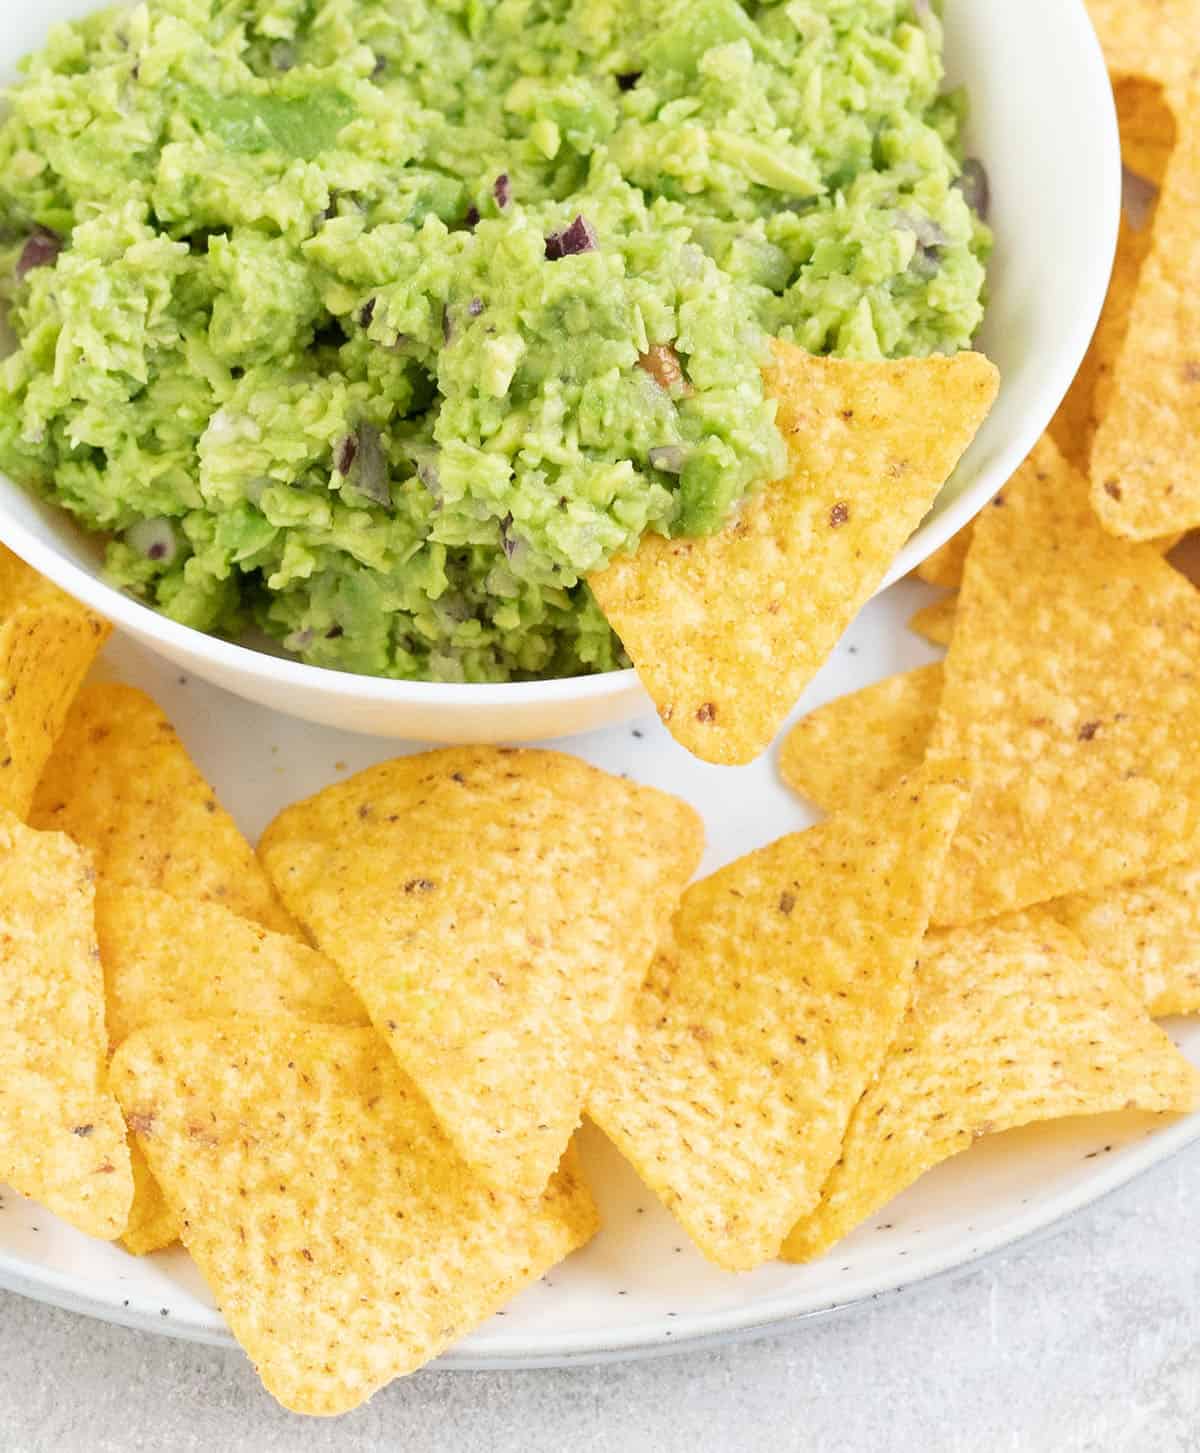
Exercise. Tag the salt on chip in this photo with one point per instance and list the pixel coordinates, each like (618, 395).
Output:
(495, 910)
(1145, 464)
(121, 783)
(1071, 686)
(727, 630)
(47, 645)
(935, 621)
(342, 1237)
(1147, 931)
(1011, 1022)
(766, 1014)
(845, 752)
(169, 958)
(62, 1140)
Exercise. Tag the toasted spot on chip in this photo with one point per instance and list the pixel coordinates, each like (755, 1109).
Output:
(739, 621)
(1062, 626)
(121, 783)
(1145, 464)
(1147, 931)
(167, 958)
(1010, 1022)
(47, 644)
(342, 1237)
(767, 1012)
(62, 1140)
(845, 752)
(935, 621)
(495, 912)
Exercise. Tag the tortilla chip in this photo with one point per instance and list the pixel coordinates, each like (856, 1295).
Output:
(1010, 1022)
(945, 566)
(494, 910)
(1071, 684)
(1148, 932)
(344, 1241)
(1147, 137)
(122, 784)
(1159, 39)
(165, 958)
(844, 753)
(767, 1013)
(935, 621)
(726, 631)
(152, 1224)
(47, 645)
(62, 1140)
(1145, 466)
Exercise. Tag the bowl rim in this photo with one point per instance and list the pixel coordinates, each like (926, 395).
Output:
(236, 659)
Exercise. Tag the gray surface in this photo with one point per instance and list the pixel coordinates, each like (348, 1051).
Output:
(1088, 1340)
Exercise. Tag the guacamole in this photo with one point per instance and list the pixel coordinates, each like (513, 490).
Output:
(380, 324)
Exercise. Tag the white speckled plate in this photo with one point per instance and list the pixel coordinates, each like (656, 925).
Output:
(639, 1288)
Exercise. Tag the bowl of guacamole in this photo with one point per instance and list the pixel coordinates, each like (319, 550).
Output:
(368, 331)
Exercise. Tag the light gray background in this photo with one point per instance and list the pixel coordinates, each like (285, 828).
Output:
(1087, 1340)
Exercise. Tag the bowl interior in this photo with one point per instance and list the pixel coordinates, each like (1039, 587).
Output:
(1042, 120)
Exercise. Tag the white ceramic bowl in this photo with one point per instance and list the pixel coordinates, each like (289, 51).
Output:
(1042, 119)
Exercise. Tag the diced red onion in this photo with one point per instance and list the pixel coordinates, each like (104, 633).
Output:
(41, 250)
(575, 238)
(501, 191)
(153, 540)
(425, 461)
(371, 472)
(1138, 196)
(471, 217)
(670, 458)
(366, 313)
(345, 454)
(976, 187)
(475, 307)
(626, 80)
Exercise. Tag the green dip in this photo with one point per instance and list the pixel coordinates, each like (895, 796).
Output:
(380, 324)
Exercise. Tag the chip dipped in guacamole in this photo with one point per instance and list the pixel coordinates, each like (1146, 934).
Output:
(381, 326)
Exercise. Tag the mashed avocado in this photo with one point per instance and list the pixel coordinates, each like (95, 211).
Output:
(379, 324)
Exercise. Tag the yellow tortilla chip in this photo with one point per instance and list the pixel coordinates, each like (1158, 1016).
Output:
(345, 1242)
(727, 630)
(844, 753)
(945, 566)
(1147, 137)
(1010, 1022)
(1148, 932)
(62, 1140)
(166, 958)
(1071, 685)
(121, 783)
(766, 1014)
(494, 910)
(1159, 39)
(1145, 465)
(935, 621)
(47, 645)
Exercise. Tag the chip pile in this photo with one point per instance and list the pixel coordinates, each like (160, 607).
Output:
(347, 1071)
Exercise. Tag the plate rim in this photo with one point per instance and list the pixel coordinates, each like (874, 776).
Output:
(777, 1314)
